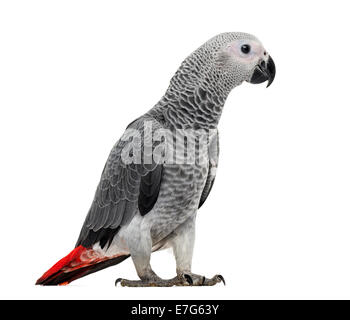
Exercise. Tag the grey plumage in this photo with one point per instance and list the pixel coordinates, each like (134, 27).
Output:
(117, 198)
(146, 206)
(194, 99)
(213, 164)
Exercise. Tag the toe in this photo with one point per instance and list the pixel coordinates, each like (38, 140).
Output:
(192, 279)
(221, 278)
(119, 280)
(214, 280)
(188, 278)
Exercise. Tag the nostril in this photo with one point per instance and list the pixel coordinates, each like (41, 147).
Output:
(265, 53)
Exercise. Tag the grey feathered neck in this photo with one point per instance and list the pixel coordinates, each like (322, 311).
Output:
(198, 90)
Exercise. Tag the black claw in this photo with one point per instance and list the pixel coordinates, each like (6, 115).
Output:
(117, 281)
(188, 279)
(222, 279)
(203, 281)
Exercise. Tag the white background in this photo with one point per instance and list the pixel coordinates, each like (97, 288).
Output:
(73, 74)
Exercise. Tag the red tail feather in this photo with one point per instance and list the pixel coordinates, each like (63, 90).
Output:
(80, 262)
(72, 257)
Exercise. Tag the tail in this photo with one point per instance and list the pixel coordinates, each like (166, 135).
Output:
(79, 263)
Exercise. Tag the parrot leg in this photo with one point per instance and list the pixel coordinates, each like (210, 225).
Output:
(148, 277)
(140, 250)
(182, 243)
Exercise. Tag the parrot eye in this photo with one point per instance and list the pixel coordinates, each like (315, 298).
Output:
(245, 48)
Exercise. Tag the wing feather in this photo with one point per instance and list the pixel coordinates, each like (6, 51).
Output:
(213, 162)
(123, 191)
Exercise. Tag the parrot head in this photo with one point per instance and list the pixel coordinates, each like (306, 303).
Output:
(242, 57)
(226, 61)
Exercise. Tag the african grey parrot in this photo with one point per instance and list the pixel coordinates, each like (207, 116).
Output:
(146, 205)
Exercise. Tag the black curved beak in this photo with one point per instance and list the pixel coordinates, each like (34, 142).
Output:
(264, 72)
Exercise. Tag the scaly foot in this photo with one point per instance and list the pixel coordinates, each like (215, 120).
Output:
(184, 279)
(197, 280)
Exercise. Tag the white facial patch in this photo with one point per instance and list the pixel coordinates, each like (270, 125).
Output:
(256, 52)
